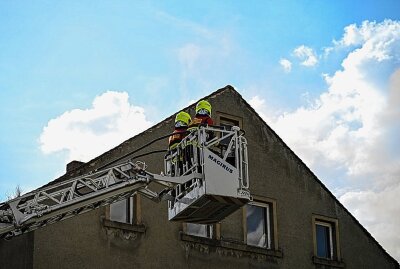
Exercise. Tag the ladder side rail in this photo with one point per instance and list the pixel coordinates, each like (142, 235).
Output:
(110, 195)
(235, 139)
(244, 162)
(202, 140)
(73, 208)
(62, 183)
(43, 197)
(56, 189)
(195, 147)
(240, 163)
(63, 197)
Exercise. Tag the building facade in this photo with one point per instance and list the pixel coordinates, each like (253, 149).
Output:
(294, 221)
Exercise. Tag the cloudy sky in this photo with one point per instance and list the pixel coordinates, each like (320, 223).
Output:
(78, 78)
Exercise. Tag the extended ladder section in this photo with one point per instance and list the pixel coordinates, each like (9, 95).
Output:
(220, 157)
(206, 179)
(72, 197)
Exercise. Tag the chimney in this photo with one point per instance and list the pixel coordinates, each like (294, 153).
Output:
(73, 165)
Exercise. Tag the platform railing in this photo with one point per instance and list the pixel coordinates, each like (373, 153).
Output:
(188, 156)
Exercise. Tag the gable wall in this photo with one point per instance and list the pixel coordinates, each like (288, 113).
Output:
(275, 173)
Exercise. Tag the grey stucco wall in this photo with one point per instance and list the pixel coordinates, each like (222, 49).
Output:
(17, 253)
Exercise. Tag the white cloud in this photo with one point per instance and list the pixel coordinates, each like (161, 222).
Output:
(257, 102)
(327, 51)
(355, 126)
(286, 64)
(86, 133)
(352, 36)
(368, 34)
(368, 206)
(306, 55)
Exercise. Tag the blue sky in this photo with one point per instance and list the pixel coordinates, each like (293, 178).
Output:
(79, 77)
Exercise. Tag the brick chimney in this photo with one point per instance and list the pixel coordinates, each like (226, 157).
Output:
(73, 165)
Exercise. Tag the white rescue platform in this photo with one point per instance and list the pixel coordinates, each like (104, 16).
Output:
(223, 187)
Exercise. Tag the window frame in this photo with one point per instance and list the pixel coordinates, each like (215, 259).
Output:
(333, 225)
(223, 118)
(211, 230)
(133, 211)
(271, 223)
(330, 242)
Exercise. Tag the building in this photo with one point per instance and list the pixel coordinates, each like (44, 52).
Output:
(293, 222)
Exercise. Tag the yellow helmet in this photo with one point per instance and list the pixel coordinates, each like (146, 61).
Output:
(183, 117)
(202, 106)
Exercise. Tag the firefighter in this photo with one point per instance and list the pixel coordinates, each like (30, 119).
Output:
(203, 115)
(182, 121)
(202, 118)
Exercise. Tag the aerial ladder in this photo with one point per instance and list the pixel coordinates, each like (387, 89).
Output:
(205, 179)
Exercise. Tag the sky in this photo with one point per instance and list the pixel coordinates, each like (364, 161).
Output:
(79, 77)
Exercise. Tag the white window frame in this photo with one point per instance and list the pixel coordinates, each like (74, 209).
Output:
(267, 222)
(330, 230)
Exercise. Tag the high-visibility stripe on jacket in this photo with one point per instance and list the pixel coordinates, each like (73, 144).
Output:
(200, 120)
(177, 136)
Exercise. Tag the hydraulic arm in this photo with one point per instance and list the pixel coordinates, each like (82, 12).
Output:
(201, 185)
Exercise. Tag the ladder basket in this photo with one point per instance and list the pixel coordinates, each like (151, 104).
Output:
(220, 157)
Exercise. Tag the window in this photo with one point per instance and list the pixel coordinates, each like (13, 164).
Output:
(258, 225)
(125, 211)
(201, 230)
(224, 119)
(326, 238)
(227, 121)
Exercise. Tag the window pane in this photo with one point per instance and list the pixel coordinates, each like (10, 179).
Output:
(118, 211)
(256, 235)
(199, 229)
(323, 241)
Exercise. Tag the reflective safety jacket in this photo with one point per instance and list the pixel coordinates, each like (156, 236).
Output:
(177, 136)
(200, 120)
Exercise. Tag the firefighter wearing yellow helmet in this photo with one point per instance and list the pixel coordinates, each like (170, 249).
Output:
(203, 115)
(182, 121)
